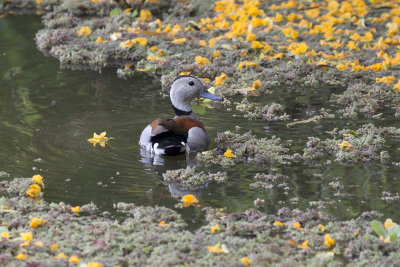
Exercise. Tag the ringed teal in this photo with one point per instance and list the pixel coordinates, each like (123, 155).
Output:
(185, 132)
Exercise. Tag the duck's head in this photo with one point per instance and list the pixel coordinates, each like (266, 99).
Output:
(185, 88)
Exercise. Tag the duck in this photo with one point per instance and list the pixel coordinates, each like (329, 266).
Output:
(185, 132)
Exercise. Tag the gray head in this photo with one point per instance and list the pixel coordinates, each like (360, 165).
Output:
(185, 88)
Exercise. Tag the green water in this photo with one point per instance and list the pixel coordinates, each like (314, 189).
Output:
(47, 114)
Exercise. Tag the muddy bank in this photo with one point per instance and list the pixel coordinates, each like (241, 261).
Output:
(149, 236)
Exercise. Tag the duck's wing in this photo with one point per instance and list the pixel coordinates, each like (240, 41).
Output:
(198, 138)
(164, 136)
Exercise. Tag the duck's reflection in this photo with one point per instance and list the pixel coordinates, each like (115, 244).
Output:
(158, 165)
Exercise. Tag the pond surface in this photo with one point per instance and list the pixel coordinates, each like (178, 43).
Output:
(47, 114)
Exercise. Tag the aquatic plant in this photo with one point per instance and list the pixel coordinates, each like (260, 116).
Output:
(191, 179)
(387, 232)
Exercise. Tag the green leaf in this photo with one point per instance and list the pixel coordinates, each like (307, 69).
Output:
(393, 237)
(353, 132)
(115, 11)
(394, 230)
(2, 201)
(134, 13)
(379, 229)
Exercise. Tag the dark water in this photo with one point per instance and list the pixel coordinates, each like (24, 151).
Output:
(47, 114)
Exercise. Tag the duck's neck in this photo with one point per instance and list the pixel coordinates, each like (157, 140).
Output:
(179, 112)
(181, 105)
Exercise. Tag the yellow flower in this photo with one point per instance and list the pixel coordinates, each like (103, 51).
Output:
(313, 13)
(25, 244)
(328, 241)
(94, 264)
(202, 43)
(38, 179)
(346, 145)
(322, 228)
(212, 42)
(380, 44)
(33, 190)
(246, 261)
(144, 15)
(21, 256)
(76, 209)
(74, 259)
(189, 200)
(247, 64)
(154, 48)
(96, 1)
(140, 41)
(202, 60)
(53, 247)
(278, 17)
(219, 80)
(256, 44)
(125, 44)
(341, 67)
(228, 154)
(351, 45)
(84, 31)
(298, 48)
(290, 33)
(256, 84)
(26, 236)
(396, 87)
(99, 139)
(297, 226)
(278, 223)
(61, 256)
(185, 73)
(214, 228)
(39, 2)
(35, 222)
(163, 223)
(216, 53)
(5, 234)
(218, 248)
(153, 58)
(251, 37)
(389, 223)
(161, 53)
(100, 40)
(179, 41)
(303, 245)
(386, 79)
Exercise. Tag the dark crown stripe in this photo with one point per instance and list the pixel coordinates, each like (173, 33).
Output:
(179, 112)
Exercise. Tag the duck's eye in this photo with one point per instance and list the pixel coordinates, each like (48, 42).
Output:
(191, 83)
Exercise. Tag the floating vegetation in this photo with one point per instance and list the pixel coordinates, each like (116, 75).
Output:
(248, 148)
(191, 179)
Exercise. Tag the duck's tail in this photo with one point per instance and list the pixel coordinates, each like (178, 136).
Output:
(169, 145)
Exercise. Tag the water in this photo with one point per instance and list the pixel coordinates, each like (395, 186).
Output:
(47, 115)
